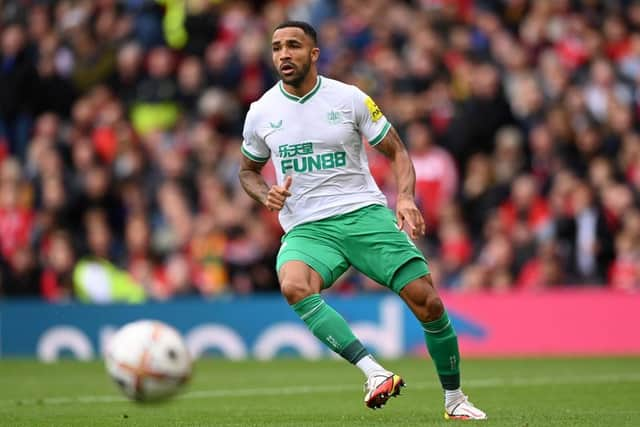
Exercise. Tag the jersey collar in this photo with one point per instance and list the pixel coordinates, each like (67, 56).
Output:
(300, 99)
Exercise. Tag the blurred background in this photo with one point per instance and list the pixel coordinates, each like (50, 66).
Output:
(120, 129)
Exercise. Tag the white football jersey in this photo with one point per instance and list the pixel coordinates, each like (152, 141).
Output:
(317, 139)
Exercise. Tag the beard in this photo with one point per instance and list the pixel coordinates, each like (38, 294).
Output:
(298, 75)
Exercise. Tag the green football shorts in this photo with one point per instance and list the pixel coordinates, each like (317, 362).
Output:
(367, 239)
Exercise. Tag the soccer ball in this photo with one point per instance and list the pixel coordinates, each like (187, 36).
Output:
(148, 360)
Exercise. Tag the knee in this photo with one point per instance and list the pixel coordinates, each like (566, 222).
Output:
(423, 299)
(433, 304)
(430, 308)
(295, 290)
(298, 281)
(434, 308)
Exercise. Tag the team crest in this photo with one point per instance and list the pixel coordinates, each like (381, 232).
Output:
(334, 117)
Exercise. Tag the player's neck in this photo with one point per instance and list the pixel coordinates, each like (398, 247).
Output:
(305, 87)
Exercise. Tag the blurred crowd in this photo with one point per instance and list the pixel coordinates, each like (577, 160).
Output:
(121, 121)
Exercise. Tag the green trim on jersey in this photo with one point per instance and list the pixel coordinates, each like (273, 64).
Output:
(253, 157)
(381, 135)
(304, 98)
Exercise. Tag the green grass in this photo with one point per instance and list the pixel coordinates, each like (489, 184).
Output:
(514, 392)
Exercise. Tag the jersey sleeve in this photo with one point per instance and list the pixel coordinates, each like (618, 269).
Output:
(253, 146)
(369, 118)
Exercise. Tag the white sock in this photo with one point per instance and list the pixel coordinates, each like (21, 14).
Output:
(452, 396)
(368, 365)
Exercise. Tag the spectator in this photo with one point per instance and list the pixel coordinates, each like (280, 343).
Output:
(602, 90)
(59, 256)
(172, 227)
(617, 199)
(190, 83)
(207, 250)
(624, 273)
(55, 209)
(508, 156)
(479, 194)
(525, 206)
(59, 91)
(16, 214)
(496, 259)
(98, 281)
(481, 115)
(128, 73)
(222, 66)
(94, 61)
(19, 275)
(629, 63)
(137, 245)
(156, 107)
(545, 160)
(527, 101)
(201, 25)
(18, 82)
(98, 193)
(99, 241)
(543, 271)
(256, 76)
(436, 174)
(584, 238)
(456, 251)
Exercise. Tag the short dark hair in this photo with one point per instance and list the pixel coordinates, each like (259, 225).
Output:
(304, 26)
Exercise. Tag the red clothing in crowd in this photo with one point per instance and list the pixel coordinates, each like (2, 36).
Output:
(536, 216)
(15, 229)
(624, 274)
(436, 181)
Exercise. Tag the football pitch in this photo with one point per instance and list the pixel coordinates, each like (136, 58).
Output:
(291, 392)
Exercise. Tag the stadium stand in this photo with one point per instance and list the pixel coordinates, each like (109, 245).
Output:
(120, 132)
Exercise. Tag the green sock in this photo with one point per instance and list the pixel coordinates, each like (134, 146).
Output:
(330, 328)
(442, 343)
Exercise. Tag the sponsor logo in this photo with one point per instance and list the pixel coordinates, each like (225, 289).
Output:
(383, 333)
(374, 110)
(333, 342)
(301, 158)
(293, 150)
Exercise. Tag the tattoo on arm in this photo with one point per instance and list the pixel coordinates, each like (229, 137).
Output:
(252, 181)
(393, 148)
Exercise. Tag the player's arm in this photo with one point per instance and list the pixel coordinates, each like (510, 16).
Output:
(254, 184)
(406, 210)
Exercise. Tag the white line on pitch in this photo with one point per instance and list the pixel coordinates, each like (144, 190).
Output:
(292, 390)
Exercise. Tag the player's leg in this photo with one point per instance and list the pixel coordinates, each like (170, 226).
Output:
(372, 243)
(425, 303)
(306, 266)
(300, 285)
(378, 249)
(441, 339)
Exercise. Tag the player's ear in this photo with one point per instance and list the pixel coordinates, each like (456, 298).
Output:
(315, 54)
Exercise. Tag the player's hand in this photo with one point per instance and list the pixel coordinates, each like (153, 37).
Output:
(277, 195)
(408, 214)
